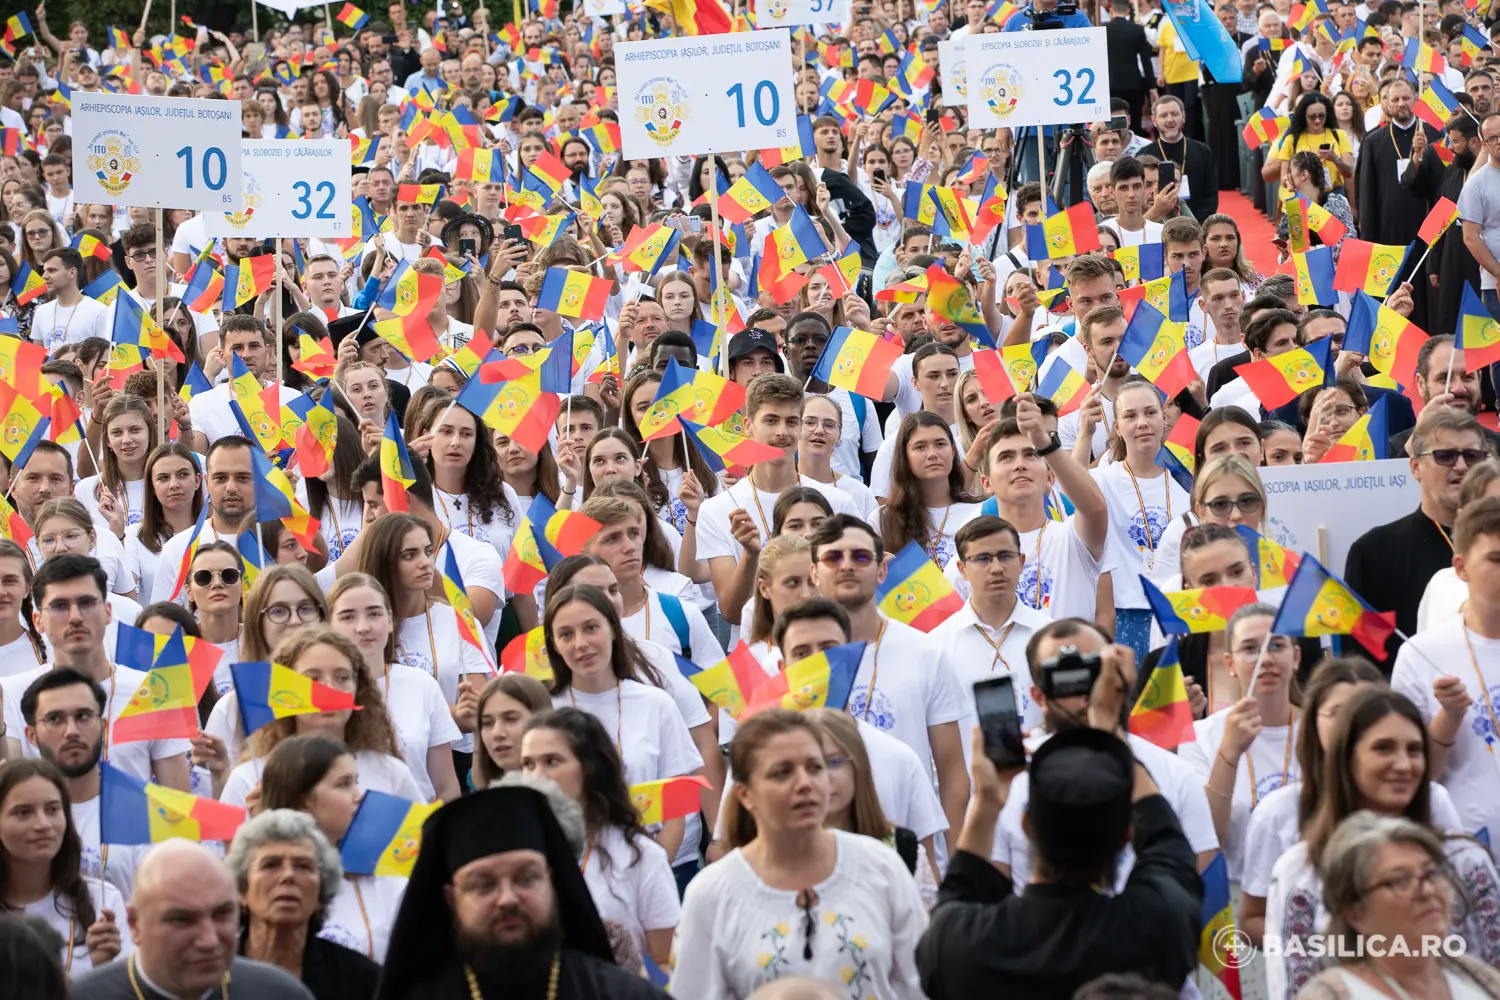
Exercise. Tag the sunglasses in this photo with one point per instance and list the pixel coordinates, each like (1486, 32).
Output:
(835, 557)
(1448, 457)
(1247, 503)
(205, 577)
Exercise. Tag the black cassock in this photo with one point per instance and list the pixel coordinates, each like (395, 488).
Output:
(583, 977)
(1392, 206)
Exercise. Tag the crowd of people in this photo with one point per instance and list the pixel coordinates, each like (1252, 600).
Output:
(482, 590)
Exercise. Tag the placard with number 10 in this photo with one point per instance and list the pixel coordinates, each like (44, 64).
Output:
(709, 94)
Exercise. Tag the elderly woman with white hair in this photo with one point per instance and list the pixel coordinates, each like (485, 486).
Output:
(287, 873)
(1388, 877)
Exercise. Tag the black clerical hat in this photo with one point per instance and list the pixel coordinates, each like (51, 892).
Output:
(1080, 795)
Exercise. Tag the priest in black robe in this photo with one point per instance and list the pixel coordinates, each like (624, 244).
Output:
(1395, 194)
(497, 908)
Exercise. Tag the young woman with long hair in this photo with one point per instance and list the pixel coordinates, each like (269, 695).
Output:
(129, 438)
(39, 234)
(359, 608)
(320, 776)
(470, 495)
(799, 511)
(64, 527)
(505, 705)
(172, 503)
(822, 428)
(330, 658)
(666, 461)
(330, 497)
(678, 296)
(40, 855)
(928, 499)
(810, 885)
(1142, 499)
(972, 408)
(21, 646)
(1225, 431)
(1226, 491)
(1222, 247)
(1306, 177)
(1378, 759)
(529, 474)
(628, 874)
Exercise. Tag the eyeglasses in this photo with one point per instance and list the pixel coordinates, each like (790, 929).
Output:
(205, 577)
(1448, 457)
(1250, 650)
(139, 258)
(1407, 884)
(71, 537)
(1491, 138)
(38, 232)
(986, 559)
(59, 720)
(85, 605)
(1340, 411)
(520, 351)
(280, 614)
(1247, 503)
(835, 557)
(806, 900)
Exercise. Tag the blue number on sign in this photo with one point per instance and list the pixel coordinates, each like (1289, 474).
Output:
(762, 89)
(1065, 84)
(210, 155)
(304, 198)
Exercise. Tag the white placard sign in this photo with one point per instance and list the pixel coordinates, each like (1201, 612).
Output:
(709, 94)
(1343, 500)
(779, 13)
(291, 187)
(1037, 77)
(953, 66)
(156, 152)
(603, 8)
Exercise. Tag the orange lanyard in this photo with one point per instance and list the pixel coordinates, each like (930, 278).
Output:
(1488, 705)
(874, 671)
(979, 627)
(1446, 537)
(1145, 519)
(431, 646)
(1286, 764)
(1039, 534)
(369, 935)
(755, 495)
(937, 540)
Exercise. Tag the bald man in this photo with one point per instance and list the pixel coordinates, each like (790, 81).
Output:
(798, 988)
(185, 918)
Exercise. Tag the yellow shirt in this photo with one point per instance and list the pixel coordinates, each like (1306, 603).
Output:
(1311, 143)
(1176, 67)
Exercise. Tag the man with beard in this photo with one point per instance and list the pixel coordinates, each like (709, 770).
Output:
(64, 712)
(496, 907)
(1100, 333)
(1392, 202)
(1092, 793)
(231, 499)
(575, 156)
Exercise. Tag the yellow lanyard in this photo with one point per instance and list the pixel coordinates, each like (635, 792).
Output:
(979, 627)
(755, 495)
(334, 517)
(369, 935)
(937, 539)
(1488, 705)
(1038, 603)
(874, 671)
(1286, 764)
(1446, 537)
(1145, 519)
(431, 645)
(646, 606)
(583, 865)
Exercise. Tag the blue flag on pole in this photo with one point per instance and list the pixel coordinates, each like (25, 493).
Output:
(1205, 38)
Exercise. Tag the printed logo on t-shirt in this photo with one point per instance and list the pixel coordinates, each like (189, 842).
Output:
(1265, 786)
(677, 514)
(92, 863)
(340, 542)
(944, 552)
(339, 934)
(134, 517)
(877, 711)
(1034, 597)
(412, 658)
(1156, 518)
(1484, 726)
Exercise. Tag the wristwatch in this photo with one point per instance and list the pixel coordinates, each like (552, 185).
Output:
(1054, 445)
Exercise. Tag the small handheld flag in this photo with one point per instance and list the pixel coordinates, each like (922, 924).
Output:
(1162, 713)
(915, 592)
(385, 835)
(269, 691)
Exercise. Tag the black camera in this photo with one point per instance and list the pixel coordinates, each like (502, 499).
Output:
(1050, 20)
(1069, 673)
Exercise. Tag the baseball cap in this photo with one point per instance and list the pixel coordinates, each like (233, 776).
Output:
(745, 342)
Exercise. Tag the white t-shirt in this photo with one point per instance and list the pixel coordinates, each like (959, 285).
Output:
(1069, 425)
(1150, 232)
(1138, 509)
(114, 863)
(637, 895)
(110, 552)
(204, 323)
(864, 499)
(120, 686)
(1061, 575)
(456, 511)
(645, 725)
(908, 399)
(362, 914)
(913, 689)
(431, 643)
(53, 325)
(1177, 782)
(854, 438)
(1442, 601)
(1271, 760)
(135, 501)
(714, 537)
(57, 912)
(378, 772)
(651, 623)
(1472, 771)
(421, 717)
(885, 457)
(1210, 353)
(19, 655)
(978, 652)
(169, 562)
(737, 933)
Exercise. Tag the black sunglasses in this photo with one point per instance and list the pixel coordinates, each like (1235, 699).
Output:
(204, 577)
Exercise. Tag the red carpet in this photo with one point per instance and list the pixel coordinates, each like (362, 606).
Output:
(1256, 233)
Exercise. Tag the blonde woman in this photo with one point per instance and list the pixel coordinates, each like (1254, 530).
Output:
(975, 413)
(1227, 490)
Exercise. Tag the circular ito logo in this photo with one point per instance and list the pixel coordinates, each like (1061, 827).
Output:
(661, 105)
(1000, 89)
(115, 159)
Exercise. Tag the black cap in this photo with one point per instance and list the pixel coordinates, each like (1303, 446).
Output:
(745, 342)
(1082, 781)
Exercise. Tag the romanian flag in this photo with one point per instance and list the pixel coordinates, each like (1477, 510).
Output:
(1181, 470)
(1063, 386)
(994, 377)
(12, 141)
(469, 628)
(205, 286)
(752, 194)
(544, 538)
(543, 230)
(1371, 267)
(790, 154)
(27, 284)
(1146, 262)
(728, 683)
(351, 17)
(843, 274)
(527, 654)
(823, 680)
(858, 361)
(1162, 713)
(1218, 927)
(955, 214)
(13, 525)
(702, 397)
(1315, 277)
(482, 166)
(1436, 105)
(604, 136)
(409, 291)
(1478, 333)
(385, 835)
(518, 408)
(797, 242)
(1318, 603)
(17, 27)
(1064, 234)
(915, 592)
(1206, 609)
(247, 279)
(361, 152)
(950, 299)
(721, 448)
(187, 555)
(412, 335)
(906, 125)
(573, 293)
(91, 246)
(133, 812)
(269, 691)
(396, 473)
(1275, 564)
(1475, 41)
(1278, 380)
(1155, 347)
(1383, 335)
(1304, 217)
(254, 559)
(1367, 441)
(1422, 58)
(22, 425)
(315, 358)
(1265, 126)
(166, 706)
(21, 366)
(134, 326)
(419, 194)
(695, 17)
(119, 40)
(276, 500)
(1443, 215)
(669, 798)
(314, 441)
(991, 209)
(646, 248)
(250, 408)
